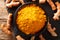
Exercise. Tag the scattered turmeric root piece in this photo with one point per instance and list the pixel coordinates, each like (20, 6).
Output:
(9, 5)
(51, 31)
(7, 1)
(5, 29)
(51, 4)
(12, 3)
(57, 14)
(33, 0)
(15, 0)
(19, 37)
(21, 1)
(41, 37)
(42, 1)
(32, 38)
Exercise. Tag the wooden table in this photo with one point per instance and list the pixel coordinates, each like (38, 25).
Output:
(3, 19)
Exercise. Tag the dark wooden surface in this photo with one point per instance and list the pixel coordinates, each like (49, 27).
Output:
(3, 19)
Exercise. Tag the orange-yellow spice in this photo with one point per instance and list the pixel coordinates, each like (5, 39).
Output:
(31, 19)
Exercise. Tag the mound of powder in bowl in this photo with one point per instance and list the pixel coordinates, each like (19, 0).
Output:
(31, 19)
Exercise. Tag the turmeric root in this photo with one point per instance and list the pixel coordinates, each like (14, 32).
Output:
(15, 0)
(7, 1)
(51, 31)
(33, 0)
(32, 38)
(6, 29)
(42, 1)
(41, 37)
(12, 3)
(51, 4)
(19, 37)
(57, 14)
(21, 1)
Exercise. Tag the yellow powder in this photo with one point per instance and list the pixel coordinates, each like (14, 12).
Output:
(31, 19)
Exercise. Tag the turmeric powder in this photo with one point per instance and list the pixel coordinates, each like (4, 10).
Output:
(31, 19)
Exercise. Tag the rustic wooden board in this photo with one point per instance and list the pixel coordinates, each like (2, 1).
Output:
(3, 19)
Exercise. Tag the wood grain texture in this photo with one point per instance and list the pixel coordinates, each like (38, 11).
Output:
(3, 19)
